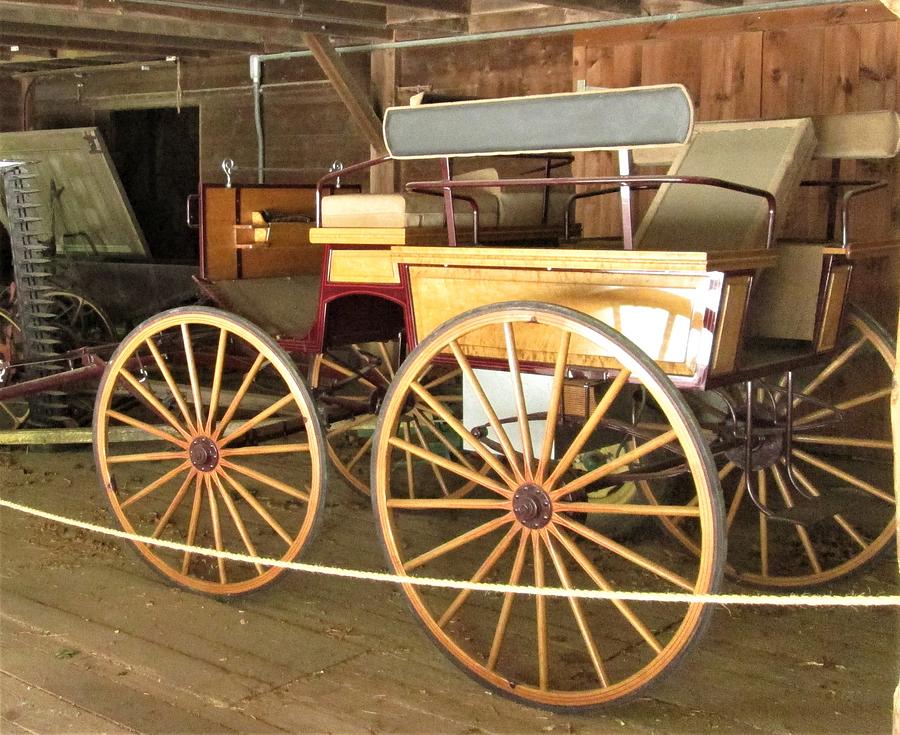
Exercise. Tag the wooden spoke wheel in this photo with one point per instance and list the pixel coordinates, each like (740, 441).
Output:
(841, 454)
(231, 455)
(13, 413)
(522, 523)
(351, 383)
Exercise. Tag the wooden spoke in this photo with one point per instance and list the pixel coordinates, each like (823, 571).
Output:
(577, 612)
(158, 483)
(633, 556)
(836, 364)
(266, 480)
(429, 424)
(838, 518)
(386, 360)
(146, 457)
(486, 566)
(249, 377)
(845, 441)
(154, 403)
(363, 450)
(217, 528)
(264, 449)
(486, 406)
(461, 540)
(463, 432)
(174, 505)
(440, 380)
(515, 375)
(845, 476)
(556, 391)
(589, 427)
(591, 570)
(736, 501)
(192, 526)
(540, 603)
(258, 507)
(508, 598)
(621, 461)
(446, 504)
(217, 380)
(451, 466)
(238, 523)
(802, 534)
(170, 381)
(346, 372)
(726, 470)
(844, 406)
(630, 509)
(763, 525)
(410, 485)
(434, 468)
(145, 427)
(192, 372)
(257, 419)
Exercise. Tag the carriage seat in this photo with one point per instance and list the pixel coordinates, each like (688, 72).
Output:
(769, 154)
(497, 207)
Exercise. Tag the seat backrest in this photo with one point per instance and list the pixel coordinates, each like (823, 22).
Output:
(769, 155)
(868, 135)
(606, 119)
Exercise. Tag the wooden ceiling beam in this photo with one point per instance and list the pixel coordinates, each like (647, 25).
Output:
(452, 7)
(81, 40)
(622, 7)
(123, 18)
(351, 93)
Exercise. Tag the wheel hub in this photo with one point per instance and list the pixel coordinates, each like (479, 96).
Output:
(204, 454)
(532, 506)
(768, 446)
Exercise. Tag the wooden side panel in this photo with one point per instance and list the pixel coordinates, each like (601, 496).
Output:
(835, 295)
(220, 259)
(729, 324)
(363, 266)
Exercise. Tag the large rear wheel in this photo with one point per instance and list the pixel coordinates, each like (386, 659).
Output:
(526, 520)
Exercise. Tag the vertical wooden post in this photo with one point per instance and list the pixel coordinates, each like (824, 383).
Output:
(384, 179)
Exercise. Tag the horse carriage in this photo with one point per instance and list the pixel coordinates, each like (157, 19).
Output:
(526, 404)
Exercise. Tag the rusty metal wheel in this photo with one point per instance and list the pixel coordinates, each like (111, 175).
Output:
(227, 454)
(522, 524)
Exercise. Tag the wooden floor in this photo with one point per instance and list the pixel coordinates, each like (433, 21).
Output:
(92, 641)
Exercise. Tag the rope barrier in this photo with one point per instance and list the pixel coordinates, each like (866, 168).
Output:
(792, 600)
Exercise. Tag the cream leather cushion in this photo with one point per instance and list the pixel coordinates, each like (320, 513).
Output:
(516, 207)
(401, 210)
(769, 155)
(858, 135)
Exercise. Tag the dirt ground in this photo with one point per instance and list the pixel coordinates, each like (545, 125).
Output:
(93, 641)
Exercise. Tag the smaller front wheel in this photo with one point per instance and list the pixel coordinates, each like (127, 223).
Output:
(526, 520)
(205, 434)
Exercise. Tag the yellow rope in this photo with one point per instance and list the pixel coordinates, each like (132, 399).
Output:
(681, 597)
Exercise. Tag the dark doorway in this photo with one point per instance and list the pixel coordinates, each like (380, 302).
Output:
(156, 153)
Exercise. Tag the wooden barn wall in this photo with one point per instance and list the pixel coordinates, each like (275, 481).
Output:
(10, 104)
(305, 124)
(793, 63)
